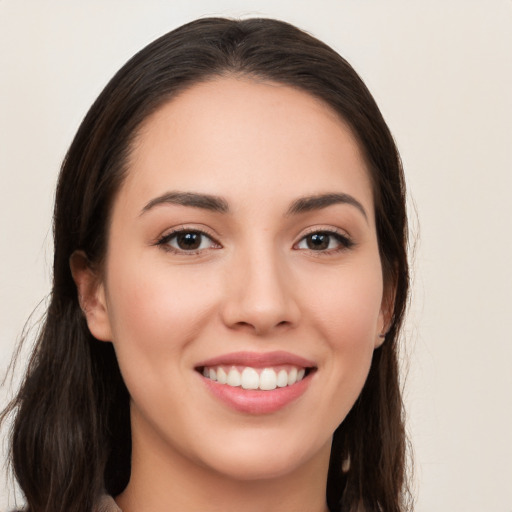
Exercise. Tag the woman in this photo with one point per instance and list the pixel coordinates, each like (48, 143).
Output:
(230, 278)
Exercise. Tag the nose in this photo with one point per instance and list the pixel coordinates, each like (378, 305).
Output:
(260, 294)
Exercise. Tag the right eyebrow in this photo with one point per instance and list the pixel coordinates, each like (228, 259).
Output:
(192, 199)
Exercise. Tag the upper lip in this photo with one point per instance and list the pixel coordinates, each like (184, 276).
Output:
(258, 360)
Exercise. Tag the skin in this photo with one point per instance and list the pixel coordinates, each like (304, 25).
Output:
(256, 286)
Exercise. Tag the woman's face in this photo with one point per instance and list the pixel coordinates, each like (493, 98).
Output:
(242, 250)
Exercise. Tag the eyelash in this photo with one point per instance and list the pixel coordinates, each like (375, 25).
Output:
(165, 240)
(344, 241)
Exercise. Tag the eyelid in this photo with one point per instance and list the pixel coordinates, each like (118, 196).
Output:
(324, 228)
(163, 240)
(345, 240)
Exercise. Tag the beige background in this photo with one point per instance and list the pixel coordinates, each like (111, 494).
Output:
(441, 72)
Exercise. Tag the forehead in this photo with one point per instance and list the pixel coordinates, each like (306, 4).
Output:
(231, 136)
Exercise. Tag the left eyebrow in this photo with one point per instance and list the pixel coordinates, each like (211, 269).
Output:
(317, 202)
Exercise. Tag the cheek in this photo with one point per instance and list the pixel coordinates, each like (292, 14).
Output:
(347, 304)
(346, 314)
(156, 312)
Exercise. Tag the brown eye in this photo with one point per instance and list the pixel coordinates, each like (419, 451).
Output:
(318, 241)
(187, 241)
(324, 241)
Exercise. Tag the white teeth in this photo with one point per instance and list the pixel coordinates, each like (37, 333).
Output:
(282, 379)
(234, 378)
(267, 379)
(250, 378)
(222, 378)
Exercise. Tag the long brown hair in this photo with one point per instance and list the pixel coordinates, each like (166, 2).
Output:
(71, 433)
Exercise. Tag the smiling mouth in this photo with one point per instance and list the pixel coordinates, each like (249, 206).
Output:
(257, 383)
(264, 379)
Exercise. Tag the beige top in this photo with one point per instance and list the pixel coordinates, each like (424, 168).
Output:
(107, 504)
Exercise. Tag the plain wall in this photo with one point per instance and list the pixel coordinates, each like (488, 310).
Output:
(441, 72)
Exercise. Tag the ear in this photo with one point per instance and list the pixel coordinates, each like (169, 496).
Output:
(387, 308)
(91, 296)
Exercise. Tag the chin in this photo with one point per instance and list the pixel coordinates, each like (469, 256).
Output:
(259, 460)
(250, 470)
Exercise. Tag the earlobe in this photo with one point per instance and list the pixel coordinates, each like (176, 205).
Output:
(385, 315)
(91, 296)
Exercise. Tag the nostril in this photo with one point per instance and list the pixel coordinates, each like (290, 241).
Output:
(243, 325)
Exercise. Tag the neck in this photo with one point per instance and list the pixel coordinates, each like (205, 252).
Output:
(162, 482)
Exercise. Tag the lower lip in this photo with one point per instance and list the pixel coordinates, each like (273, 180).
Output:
(254, 401)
